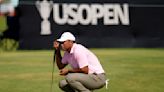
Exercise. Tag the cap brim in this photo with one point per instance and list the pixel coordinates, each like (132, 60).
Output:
(61, 40)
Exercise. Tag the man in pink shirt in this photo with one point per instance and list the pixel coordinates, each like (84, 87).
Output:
(86, 72)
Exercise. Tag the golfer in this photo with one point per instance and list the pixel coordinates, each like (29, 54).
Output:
(86, 73)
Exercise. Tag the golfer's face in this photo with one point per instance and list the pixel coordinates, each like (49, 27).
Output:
(65, 45)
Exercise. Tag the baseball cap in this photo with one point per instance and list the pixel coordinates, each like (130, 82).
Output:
(66, 36)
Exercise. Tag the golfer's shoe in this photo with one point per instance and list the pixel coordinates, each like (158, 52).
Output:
(106, 83)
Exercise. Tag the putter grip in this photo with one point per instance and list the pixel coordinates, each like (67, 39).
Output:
(54, 54)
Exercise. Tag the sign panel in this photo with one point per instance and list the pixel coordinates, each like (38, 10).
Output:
(99, 24)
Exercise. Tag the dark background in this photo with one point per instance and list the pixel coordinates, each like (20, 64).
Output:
(146, 27)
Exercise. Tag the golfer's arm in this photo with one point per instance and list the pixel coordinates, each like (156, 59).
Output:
(58, 59)
(79, 70)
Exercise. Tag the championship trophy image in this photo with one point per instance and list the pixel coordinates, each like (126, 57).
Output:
(44, 7)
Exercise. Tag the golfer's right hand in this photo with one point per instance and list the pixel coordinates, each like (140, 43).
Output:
(63, 72)
(56, 45)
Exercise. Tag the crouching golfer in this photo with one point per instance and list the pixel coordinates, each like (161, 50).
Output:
(86, 73)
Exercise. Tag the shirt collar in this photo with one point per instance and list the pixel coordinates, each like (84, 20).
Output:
(72, 49)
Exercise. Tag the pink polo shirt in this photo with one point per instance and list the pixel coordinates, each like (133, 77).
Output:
(80, 57)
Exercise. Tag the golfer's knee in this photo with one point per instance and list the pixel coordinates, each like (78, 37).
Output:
(62, 84)
(70, 78)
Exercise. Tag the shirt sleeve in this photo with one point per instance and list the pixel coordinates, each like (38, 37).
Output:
(64, 59)
(81, 58)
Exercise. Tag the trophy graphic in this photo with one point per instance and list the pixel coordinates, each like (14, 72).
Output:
(44, 7)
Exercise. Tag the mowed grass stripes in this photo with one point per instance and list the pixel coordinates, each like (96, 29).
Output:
(129, 70)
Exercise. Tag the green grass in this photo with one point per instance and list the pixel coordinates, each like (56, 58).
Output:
(129, 70)
(2, 23)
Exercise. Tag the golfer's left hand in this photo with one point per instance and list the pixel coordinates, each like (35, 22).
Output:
(64, 71)
(56, 45)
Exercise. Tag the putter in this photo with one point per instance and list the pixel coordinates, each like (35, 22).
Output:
(52, 77)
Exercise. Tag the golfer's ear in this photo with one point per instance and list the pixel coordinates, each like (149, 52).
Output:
(71, 41)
